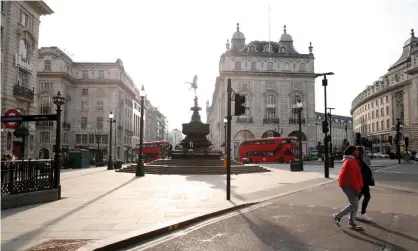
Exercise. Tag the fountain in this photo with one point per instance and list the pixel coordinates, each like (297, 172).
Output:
(195, 157)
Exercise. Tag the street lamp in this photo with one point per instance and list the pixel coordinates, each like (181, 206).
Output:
(397, 139)
(140, 164)
(110, 162)
(346, 136)
(58, 101)
(330, 138)
(225, 123)
(300, 109)
(325, 123)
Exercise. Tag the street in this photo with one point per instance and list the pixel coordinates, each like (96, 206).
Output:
(302, 221)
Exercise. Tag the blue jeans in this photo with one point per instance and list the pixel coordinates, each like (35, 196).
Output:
(352, 208)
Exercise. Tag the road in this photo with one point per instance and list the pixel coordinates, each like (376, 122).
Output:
(302, 222)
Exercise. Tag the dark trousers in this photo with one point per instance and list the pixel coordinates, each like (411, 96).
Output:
(365, 191)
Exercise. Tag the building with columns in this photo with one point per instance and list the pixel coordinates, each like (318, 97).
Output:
(394, 96)
(272, 76)
(20, 21)
(92, 90)
(155, 124)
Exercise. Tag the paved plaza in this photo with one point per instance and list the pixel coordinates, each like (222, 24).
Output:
(97, 204)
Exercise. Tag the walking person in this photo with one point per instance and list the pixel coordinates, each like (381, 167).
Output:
(368, 181)
(351, 182)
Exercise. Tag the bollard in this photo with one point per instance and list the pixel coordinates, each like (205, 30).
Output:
(225, 160)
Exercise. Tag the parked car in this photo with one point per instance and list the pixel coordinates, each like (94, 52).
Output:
(384, 155)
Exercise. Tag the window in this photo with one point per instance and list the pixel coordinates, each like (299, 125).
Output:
(85, 74)
(23, 78)
(65, 138)
(387, 99)
(382, 125)
(270, 112)
(247, 105)
(270, 85)
(244, 85)
(286, 66)
(377, 126)
(2, 31)
(377, 113)
(237, 65)
(302, 67)
(83, 123)
(253, 65)
(270, 66)
(45, 86)
(100, 105)
(25, 19)
(45, 105)
(372, 114)
(387, 124)
(2, 6)
(382, 112)
(84, 105)
(47, 65)
(101, 74)
(270, 100)
(91, 139)
(44, 137)
(387, 110)
(23, 50)
(295, 109)
(84, 92)
(99, 121)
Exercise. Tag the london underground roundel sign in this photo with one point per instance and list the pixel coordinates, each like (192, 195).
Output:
(12, 113)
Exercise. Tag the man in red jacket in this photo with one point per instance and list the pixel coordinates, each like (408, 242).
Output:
(351, 182)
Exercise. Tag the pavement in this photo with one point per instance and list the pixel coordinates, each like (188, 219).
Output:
(302, 222)
(99, 205)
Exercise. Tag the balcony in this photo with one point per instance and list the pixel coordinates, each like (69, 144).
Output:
(129, 132)
(23, 92)
(44, 123)
(24, 64)
(244, 120)
(271, 120)
(66, 126)
(296, 121)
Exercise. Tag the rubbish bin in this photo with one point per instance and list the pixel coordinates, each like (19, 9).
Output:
(295, 166)
(117, 164)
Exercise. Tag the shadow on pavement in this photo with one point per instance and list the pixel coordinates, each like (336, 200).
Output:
(373, 224)
(267, 231)
(382, 244)
(31, 234)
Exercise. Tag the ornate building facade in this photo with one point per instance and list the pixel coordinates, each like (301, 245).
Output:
(394, 96)
(92, 90)
(20, 21)
(272, 76)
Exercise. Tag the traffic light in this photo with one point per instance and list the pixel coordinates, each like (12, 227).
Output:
(325, 126)
(390, 140)
(239, 105)
(345, 143)
(358, 137)
(406, 141)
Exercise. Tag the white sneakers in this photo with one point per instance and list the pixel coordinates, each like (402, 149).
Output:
(363, 217)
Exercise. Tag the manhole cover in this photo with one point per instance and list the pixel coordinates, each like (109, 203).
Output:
(59, 245)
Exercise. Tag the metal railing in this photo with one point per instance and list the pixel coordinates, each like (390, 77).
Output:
(22, 176)
(23, 92)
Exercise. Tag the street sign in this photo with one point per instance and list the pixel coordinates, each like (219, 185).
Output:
(13, 123)
(19, 119)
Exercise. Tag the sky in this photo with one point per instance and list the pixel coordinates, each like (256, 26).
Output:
(163, 44)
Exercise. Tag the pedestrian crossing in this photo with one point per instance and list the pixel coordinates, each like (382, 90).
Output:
(400, 169)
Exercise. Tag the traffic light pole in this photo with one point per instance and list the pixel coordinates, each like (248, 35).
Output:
(228, 141)
(346, 136)
(398, 146)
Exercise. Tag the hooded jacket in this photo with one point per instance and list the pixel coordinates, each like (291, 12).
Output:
(350, 174)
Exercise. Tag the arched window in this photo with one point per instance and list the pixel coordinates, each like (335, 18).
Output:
(270, 112)
(286, 66)
(271, 100)
(295, 109)
(45, 105)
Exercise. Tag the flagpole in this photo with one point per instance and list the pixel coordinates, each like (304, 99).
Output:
(269, 32)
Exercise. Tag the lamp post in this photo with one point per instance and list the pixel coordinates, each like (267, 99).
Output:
(110, 162)
(58, 101)
(140, 164)
(300, 109)
(225, 122)
(331, 160)
(346, 136)
(325, 123)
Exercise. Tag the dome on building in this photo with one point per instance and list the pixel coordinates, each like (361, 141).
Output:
(238, 34)
(286, 37)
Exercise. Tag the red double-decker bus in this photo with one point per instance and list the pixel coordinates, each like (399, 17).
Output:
(153, 150)
(265, 150)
